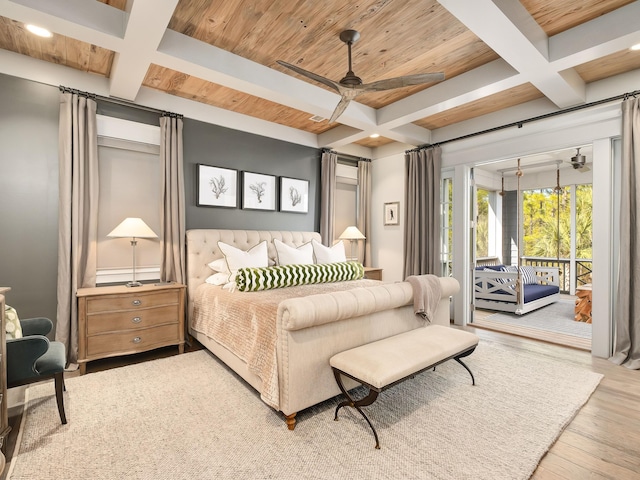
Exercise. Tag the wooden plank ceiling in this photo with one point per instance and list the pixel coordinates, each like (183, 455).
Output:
(398, 37)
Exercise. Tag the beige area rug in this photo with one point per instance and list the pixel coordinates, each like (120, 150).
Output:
(189, 417)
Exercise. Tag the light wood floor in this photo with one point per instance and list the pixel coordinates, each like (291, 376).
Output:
(602, 441)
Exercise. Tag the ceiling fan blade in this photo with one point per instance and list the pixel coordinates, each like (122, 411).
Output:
(330, 83)
(340, 108)
(405, 81)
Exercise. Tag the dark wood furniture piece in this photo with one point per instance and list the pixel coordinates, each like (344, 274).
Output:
(118, 320)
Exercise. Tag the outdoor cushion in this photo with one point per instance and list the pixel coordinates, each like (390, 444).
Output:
(535, 292)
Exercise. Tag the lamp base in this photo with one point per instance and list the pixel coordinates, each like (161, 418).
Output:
(134, 284)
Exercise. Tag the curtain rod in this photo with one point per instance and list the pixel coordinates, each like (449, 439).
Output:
(520, 123)
(346, 155)
(118, 101)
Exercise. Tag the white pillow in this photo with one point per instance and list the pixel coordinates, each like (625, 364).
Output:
(219, 278)
(286, 255)
(219, 265)
(328, 254)
(256, 256)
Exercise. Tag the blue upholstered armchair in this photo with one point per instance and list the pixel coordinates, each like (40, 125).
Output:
(34, 358)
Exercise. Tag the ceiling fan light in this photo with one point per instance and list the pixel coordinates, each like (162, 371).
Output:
(374, 135)
(635, 47)
(39, 31)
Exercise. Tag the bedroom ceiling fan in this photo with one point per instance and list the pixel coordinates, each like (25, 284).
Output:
(351, 85)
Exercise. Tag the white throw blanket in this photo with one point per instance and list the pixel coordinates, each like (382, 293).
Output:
(426, 295)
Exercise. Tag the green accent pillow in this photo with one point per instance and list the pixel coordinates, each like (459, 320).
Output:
(266, 278)
(12, 323)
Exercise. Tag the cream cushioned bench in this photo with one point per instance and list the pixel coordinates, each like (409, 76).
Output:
(387, 362)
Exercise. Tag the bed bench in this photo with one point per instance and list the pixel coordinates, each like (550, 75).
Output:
(387, 362)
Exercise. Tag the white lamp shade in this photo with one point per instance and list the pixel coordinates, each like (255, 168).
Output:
(352, 233)
(132, 227)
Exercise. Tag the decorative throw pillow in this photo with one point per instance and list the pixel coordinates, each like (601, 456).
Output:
(328, 254)
(529, 276)
(286, 255)
(12, 323)
(510, 269)
(256, 279)
(235, 258)
(219, 278)
(219, 265)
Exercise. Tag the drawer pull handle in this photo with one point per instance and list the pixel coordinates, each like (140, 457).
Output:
(137, 302)
(136, 319)
(137, 340)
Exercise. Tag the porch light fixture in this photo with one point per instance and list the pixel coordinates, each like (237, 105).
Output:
(133, 228)
(353, 235)
(635, 47)
(374, 135)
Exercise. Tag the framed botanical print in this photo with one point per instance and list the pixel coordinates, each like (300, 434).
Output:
(217, 187)
(294, 195)
(258, 191)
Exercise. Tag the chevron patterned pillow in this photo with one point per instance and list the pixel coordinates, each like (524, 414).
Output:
(266, 278)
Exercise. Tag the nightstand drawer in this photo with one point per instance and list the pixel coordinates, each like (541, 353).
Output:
(132, 301)
(131, 341)
(127, 320)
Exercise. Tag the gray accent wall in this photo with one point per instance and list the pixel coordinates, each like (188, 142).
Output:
(29, 195)
(223, 147)
(29, 185)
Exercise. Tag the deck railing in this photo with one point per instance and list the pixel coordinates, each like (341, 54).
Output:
(579, 269)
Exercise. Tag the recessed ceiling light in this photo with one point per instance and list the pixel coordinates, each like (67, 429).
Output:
(41, 32)
(636, 47)
(374, 135)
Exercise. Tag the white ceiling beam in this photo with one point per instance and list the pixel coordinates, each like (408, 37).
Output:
(604, 35)
(141, 41)
(486, 80)
(91, 22)
(507, 29)
(207, 62)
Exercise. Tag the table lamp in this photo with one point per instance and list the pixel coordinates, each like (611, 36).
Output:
(352, 234)
(133, 228)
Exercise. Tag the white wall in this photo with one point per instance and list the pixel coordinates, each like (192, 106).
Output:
(388, 240)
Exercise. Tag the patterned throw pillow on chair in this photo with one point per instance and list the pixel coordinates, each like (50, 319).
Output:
(12, 325)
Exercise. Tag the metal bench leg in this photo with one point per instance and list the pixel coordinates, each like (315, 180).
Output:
(466, 354)
(350, 402)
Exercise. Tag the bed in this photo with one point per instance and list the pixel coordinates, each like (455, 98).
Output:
(495, 288)
(280, 340)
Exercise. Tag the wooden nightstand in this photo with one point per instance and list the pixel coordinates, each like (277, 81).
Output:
(373, 273)
(120, 320)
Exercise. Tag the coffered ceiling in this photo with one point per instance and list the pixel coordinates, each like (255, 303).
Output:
(216, 60)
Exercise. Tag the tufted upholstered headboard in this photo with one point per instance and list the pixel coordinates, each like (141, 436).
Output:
(202, 249)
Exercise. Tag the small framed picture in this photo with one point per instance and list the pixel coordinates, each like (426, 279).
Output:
(258, 191)
(294, 195)
(392, 213)
(217, 187)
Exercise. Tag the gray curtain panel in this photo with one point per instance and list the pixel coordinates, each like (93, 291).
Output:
(78, 212)
(172, 218)
(328, 195)
(627, 318)
(422, 219)
(363, 209)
